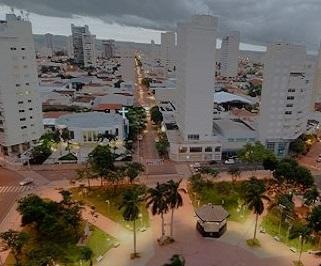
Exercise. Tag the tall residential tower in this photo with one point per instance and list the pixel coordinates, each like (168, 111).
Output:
(285, 97)
(20, 105)
(230, 54)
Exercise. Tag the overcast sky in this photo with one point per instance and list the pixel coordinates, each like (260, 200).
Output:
(259, 21)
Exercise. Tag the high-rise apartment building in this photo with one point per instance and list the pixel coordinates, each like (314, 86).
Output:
(108, 49)
(168, 43)
(84, 45)
(285, 97)
(195, 68)
(20, 105)
(127, 63)
(49, 41)
(69, 47)
(316, 90)
(230, 54)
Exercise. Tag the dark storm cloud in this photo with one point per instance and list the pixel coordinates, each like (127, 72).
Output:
(260, 21)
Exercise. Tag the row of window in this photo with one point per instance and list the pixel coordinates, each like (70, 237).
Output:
(24, 127)
(14, 48)
(22, 111)
(199, 149)
(21, 102)
(193, 137)
(18, 85)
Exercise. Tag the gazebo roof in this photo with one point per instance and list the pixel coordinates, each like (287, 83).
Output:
(212, 213)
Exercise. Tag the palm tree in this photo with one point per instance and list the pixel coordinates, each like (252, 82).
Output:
(314, 220)
(156, 198)
(176, 260)
(174, 199)
(130, 206)
(254, 196)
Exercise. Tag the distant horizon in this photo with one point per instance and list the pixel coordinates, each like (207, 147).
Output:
(102, 30)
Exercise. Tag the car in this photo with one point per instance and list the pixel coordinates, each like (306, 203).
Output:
(229, 161)
(26, 181)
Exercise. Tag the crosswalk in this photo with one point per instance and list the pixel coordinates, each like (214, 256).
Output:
(15, 189)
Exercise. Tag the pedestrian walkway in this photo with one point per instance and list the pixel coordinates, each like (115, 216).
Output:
(15, 189)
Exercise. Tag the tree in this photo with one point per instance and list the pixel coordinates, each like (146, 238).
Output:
(133, 170)
(297, 146)
(130, 205)
(85, 173)
(156, 198)
(176, 260)
(254, 195)
(156, 115)
(270, 163)
(15, 241)
(314, 221)
(86, 254)
(303, 233)
(101, 160)
(303, 177)
(311, 195)
(174, 199)
(254, 153)
(235, 172)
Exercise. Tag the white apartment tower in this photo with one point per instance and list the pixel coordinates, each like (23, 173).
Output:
(230, 54)
(89, 49)
(316, 91)
(108, 49)
(285, 97)
(20, 105)
(84, 45)
(69, 47)
(195, 68)
(49, 41)
(168, 43)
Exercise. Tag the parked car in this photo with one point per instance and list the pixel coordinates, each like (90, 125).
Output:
(26, 181)
(229, 161)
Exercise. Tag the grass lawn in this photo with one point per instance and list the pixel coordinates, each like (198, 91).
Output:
(271, 224)
(98, 241)
(100, 196)
(225, 193)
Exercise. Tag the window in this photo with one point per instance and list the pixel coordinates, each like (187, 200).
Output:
(23, 127)
(22, 119)
(291, 90)
(182, 149)
(23, 48)
(72, 134)
(288, 112)
(23, 57)
(29, 101)
(289, 105)
(20, 102)
(13, 48)
(116, 131)
(195, 149)
(27, 84)
(17, 85)
(31, 117)
(21, 111)
(1, 130)
(30, 109)
(208, 149)
(290, 98)
(193, 137)
(217, 149)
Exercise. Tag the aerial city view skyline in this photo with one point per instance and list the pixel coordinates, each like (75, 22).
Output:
(146, 133)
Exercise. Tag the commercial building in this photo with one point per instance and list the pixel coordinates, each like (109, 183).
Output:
(20, 105)
(69, 47)
(316, 90)
(195, 68)
(285, 97)
(230, 55)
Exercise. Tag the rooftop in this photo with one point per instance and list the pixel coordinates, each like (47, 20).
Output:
(90, 120)
(212, 213)
(107, 106)
(235, 128)
(224, 97)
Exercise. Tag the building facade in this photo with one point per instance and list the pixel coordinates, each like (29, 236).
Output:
(316, 90)
(108, 49)
(230, 55)
(69, 47)
(20, 104)
(285, 97)
(168, 43)
(84, 45)
(195, 68)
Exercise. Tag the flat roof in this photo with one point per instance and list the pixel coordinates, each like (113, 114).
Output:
(90, 120)
(233, 128)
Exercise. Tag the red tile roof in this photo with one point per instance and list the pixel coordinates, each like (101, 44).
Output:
(107, 106)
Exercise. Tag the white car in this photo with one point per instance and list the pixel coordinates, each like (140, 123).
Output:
(229, 161)
(26, 181)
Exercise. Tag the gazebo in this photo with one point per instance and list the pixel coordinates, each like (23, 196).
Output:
(211, 220)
